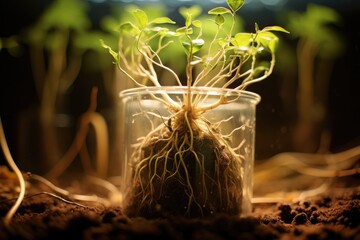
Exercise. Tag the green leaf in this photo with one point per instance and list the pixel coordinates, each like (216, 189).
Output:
(163, 31)
(256, 27)
(161, 20)
(316, 25)
(142, 18)
(129, 27)
(235, 5)
(68, 14)
(219, 10)
(258, 70)
(197, 23)
(110, 24)
(242, 39)
(194, 46)
(196, 60)
(114, 54)
(223, 42)
(251, 50)
(188, 20)
(275, 28)
(190, 13)
(193, 11)
(90, 40)
(219, 20)
(273, 44)
(184, 31)
(268, 40)
(198, 43)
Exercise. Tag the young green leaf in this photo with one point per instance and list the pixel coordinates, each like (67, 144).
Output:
(114, 54)
(161, 20)
(188, 21)
(219, 20)
(184, 31)
(235, 5)
(190, 13)
(256, 27)
(129, 27)
(275, 28)
(242, 39)
(142, 18)
(197, 23)
(258, 70)
(163, 31)
(219, 11)
(268, 40)
(223, 43)
(196, 60)
(194, 46)
(193, 11)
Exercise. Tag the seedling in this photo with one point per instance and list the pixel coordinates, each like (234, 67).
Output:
(185, 165)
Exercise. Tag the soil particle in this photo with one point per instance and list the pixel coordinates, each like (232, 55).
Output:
(286, 214)
(300, 218)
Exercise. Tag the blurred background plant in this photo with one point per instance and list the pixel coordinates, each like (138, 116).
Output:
(318, 45)
(58, 46)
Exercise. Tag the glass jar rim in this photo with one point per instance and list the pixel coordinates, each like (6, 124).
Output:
(196, 90)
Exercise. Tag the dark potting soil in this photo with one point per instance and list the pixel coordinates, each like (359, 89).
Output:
(334, 214)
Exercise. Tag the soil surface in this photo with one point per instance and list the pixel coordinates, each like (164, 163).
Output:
(334, 214)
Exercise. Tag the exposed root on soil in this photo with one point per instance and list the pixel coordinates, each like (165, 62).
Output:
(14, 167)
(69, 156)
(59, 198)
(63, 192)
(282, 167)
(89, 118)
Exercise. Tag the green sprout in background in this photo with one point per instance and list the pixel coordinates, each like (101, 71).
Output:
(59, 43)
(318, 45)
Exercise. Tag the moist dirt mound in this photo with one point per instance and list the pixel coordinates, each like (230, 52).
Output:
(334, 214)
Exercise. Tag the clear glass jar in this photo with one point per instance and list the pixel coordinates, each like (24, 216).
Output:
(187, 154)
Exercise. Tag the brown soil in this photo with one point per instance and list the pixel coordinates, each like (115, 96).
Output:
(331, 215)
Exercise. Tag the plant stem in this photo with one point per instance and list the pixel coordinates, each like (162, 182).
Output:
(189, 78)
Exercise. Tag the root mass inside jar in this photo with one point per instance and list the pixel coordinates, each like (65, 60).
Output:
(185, 169)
